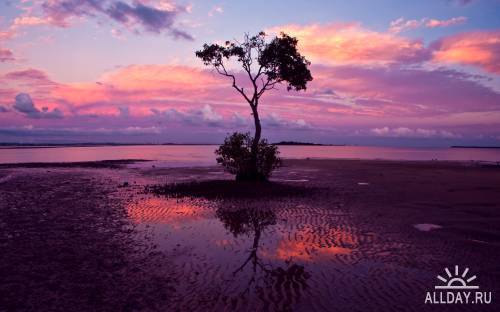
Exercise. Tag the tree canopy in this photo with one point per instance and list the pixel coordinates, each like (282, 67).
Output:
(266, 63)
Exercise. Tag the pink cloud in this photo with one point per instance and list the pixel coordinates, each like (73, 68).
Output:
(341, 98)
(145, 86)
(432, 23)
(479, 48)
(398, 91)
(215, 10)
(30, 76)
(32, 21)
(351, 43)
(7, 34)
(348, 44)
(402, 24)
(6, 55)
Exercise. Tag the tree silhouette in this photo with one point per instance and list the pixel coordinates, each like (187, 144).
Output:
(266, 64)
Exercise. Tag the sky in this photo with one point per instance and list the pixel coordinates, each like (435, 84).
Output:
(385, 72)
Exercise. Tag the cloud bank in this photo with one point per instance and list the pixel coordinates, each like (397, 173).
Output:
(24, 105)
(137, 16)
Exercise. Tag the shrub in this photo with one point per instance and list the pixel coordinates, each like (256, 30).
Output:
(236, 157)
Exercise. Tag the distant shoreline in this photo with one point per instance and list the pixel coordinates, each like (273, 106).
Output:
(55, 145)
(281, 143)
(60, 145)
(121, 163)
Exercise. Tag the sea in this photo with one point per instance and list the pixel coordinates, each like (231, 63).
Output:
(203, 155)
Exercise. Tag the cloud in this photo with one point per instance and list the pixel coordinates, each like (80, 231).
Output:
(124, 111)
(401, 24)
(432, 23)
(3, 109)
(209, 115)
(24, 104)
(396, 91)
(460, 2)
(415, 133)
(117, 33)
(128, 130)
(478, 48)
(7, 34)
(30, 21)
(350, 43)
(143, 85)
(342, 97)
(6, 55)
(215, 10)
(273, 120)
(31, 76)
(205, 115)
(239, 120)
(137, 16)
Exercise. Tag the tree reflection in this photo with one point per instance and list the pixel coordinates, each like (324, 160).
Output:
(281, 285)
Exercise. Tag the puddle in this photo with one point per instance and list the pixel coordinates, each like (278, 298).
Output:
(260, 255)
(426, 227)
(5, 178)
(292, 180)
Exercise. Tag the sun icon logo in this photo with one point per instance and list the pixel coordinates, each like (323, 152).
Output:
(456, 281)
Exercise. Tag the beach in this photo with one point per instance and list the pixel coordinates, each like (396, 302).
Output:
(322, 235)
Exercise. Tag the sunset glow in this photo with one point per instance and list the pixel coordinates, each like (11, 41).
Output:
(89, 71)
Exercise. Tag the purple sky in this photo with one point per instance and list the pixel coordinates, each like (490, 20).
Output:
(385, 72)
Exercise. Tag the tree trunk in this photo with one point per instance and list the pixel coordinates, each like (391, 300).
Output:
(255, 142)
(258, 130)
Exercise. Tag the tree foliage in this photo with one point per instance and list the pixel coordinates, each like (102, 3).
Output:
(278, 61)
(236, 156)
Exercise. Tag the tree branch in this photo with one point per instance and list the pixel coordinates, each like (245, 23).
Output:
(225, 73)
(268, 85)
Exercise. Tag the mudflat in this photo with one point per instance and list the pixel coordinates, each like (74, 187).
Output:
(322, 235)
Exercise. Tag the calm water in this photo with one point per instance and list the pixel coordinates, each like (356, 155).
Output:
(202, 155)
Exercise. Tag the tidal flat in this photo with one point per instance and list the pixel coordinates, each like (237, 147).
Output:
(322, 235)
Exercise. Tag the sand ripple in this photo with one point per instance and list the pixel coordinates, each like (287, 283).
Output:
(278, 255)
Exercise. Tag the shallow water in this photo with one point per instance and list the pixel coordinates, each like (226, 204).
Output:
(275, 255)
(203, 155)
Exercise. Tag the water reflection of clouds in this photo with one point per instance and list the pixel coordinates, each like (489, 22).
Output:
(261, 249)
(155, 210)
(307, 251)
(245, 225)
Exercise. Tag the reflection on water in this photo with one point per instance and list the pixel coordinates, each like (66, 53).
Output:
(268, 280)
(306, 251)
(246, 255)
(161, 211)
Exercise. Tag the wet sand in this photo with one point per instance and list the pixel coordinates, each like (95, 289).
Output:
(323, 235)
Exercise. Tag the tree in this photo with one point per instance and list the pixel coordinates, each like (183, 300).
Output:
(266, 64)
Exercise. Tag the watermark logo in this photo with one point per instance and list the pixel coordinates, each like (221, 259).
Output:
(457, 287)
(456, 281)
